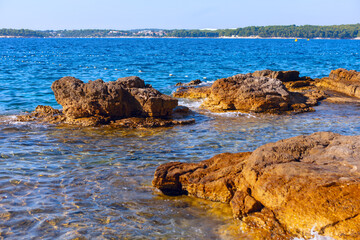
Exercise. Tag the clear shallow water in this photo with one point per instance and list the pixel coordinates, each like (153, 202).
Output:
(96, 182)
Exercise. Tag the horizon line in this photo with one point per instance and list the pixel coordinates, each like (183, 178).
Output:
(171, 29)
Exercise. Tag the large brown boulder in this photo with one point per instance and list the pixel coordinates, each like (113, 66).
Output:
(284, 76)
(125, 103)
(281, 190)
(343, 81)
(126, 97)
(248, 93)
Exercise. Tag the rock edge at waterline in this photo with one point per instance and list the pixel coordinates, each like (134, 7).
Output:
(275, 92)
(283, 189)
(259, 92)
(127, 102)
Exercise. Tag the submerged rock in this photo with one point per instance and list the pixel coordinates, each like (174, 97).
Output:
(249, 93)
(148, 122)
(343, 81)
(281, 190)
(98, 102)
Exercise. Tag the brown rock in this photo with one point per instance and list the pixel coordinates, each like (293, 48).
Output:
(284, 76)
(192, 92)
(181, 110)
(43, 114)
(148, 122)
(47, 114)
(259, 92)
(128, 102)
(248, 94)
(343, 81)
(287, 187)
(126, 97)
(191, 83)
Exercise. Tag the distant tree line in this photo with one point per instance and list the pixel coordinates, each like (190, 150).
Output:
(22, 33)
(290, 31)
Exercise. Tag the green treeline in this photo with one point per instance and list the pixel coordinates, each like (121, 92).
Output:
(291, 31)
(22, 33)
(348, 31)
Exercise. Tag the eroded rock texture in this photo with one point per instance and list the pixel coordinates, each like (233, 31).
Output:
(343, 81)
(260, 92)
(127, 102)
(282, 189)
(126, 97)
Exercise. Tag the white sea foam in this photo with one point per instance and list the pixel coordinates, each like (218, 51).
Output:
(12, 120)
(8, 119)
(195, 106)
(192, 104)
(206, 83)
(233, 114)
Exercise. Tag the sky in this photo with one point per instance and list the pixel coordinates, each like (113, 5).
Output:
(173, 14)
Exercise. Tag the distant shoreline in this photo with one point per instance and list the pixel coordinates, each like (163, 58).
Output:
(344, 31)
(151, 37)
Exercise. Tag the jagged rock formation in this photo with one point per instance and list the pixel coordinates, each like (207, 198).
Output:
(343, 81)
(126, 97)
(127, 102)
(282, 189)
(253, 93)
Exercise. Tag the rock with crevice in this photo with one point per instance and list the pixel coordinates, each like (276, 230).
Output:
(289, 186)
(127, 102)
(343, 81)
(249, 93)
(126, 97)
(284, 76)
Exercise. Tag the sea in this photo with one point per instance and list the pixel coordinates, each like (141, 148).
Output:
(74, 182)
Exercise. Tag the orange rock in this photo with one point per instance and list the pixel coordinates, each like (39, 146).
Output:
(125, 103)
(288, 187)
(343, 81)
(247, 93)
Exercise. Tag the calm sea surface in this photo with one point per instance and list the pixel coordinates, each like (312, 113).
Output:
(96, 182)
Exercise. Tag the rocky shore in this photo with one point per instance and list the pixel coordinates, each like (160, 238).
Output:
(130, 103)
(127, 102)
(285, 189)
(281, 190)
(274, 92)
(343, 81)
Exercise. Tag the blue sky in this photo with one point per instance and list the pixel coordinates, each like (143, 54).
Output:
(171, 14)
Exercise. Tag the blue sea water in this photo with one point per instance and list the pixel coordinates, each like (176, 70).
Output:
(29, 66)
(68, 182)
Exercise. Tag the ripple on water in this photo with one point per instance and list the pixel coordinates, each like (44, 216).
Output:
(61, 182)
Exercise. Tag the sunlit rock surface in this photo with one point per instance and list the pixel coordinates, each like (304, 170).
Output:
(126, 97)
(343, 81)
(127, 102)
(260, 92)
(283, 189)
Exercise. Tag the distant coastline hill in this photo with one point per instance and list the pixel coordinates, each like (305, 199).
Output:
(349, 31)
